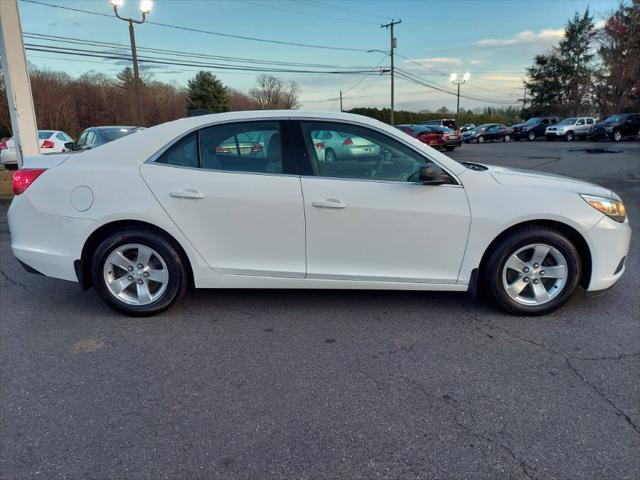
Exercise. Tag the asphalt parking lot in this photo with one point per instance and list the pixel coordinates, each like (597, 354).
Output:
(328, 384)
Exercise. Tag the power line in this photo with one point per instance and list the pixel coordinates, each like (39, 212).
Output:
(309, 14)
(209, 32)
(161, 61)
(179, 53)
(418, 81)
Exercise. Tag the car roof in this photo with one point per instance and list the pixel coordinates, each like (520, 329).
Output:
(149, 141)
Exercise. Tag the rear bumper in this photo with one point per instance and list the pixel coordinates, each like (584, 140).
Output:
(610, 242)
(48, 244)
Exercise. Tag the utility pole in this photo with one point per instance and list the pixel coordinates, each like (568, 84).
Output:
(145, 8)
(16, 79)
(341, 101)
(394, 44)
(455, 81)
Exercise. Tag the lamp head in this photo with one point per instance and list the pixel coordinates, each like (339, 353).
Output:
(146, 6)
(453, 77)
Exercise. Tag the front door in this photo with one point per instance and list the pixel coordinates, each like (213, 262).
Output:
(366, 221)
(230, 191)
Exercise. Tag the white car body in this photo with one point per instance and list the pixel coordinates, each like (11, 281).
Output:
(247, 230)
(56, 139)
(577, 127)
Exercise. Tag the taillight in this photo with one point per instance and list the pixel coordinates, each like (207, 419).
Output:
(3, 145)
(47, 144)
(23, 178)
(256, 148)
(319, 145)
(348, 141)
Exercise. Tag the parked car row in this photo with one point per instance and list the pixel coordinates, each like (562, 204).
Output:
(57, 141)
(615, 127)
(435, 136)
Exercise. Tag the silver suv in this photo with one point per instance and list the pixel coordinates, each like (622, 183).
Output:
(571, 128)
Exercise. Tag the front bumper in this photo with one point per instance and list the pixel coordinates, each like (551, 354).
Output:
(609, 244)
(48, 244)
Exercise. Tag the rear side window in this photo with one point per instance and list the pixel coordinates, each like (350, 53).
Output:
(242, 147)
(44, 134)
(184, 153)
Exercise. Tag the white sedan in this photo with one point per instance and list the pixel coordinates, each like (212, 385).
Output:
(182, 204)
(51, 141)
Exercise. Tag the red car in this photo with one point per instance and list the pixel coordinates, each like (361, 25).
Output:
(434, 135)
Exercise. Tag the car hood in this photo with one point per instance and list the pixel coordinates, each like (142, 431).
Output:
(605, 125)
(513, 177)
(519, 125)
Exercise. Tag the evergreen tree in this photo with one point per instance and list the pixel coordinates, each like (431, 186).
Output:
(205, 91)
(561, 81)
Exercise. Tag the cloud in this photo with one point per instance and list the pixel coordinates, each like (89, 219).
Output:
(526, 37)
(477, 62)
(439, 60)
(600, 24)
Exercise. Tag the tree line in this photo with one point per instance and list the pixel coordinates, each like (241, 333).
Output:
(592, 70)
(71, 104)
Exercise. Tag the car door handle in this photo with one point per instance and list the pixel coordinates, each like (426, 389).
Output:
(187, 193)
(329, 203)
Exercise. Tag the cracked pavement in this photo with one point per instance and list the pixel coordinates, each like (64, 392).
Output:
(327, 384)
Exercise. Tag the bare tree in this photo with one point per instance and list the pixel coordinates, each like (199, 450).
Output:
(274, 93)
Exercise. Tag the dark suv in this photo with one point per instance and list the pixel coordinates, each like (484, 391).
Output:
(617, 127)
(533, 128)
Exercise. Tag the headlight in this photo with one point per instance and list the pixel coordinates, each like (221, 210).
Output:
(611, 207)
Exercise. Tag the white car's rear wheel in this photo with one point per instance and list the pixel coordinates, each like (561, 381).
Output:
(138, 272)
(533, 271)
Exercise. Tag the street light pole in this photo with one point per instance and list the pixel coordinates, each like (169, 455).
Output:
(455, 81)
(145, 8)
(394, 44)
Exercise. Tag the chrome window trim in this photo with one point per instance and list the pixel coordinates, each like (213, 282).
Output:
(152, 159)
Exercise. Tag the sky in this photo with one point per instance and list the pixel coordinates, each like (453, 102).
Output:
(493, 40)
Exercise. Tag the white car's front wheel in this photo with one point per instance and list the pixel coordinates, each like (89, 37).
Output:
(138, 272)
(533, 271)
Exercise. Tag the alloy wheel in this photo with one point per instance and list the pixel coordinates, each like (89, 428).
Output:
(135, 274)
(535, 274)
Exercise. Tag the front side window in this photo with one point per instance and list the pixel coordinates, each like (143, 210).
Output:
(589, 121)
(242, 147)
(356, 152)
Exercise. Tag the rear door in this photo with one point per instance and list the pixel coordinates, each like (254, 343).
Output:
(233, 190)
(367, 222)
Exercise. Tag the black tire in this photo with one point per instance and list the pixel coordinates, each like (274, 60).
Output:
(178, 280)
(569, 136)
(450, 149)
(480, 139)
(330, 155)
(531, 136)
(520, 238)
(506, 138)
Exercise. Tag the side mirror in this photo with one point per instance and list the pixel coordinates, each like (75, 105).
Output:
(430, 175)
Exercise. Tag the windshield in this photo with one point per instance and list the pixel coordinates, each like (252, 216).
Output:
(568, 121)
(532, 121)
(112, 134)
(613, 119)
